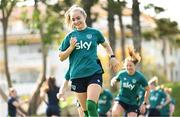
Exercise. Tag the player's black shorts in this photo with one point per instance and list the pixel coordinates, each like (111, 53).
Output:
(128, 108)
(80, 85)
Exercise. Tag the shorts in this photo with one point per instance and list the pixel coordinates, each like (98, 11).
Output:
(53, 110)
(80, 85)
(129, 108)
(154, 112)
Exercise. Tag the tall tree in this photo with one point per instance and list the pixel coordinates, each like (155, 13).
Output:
(111, 25)
(136, 27)
(49, 26)
(87, 5)
(165, 30)
(6, 7)
(119, 5)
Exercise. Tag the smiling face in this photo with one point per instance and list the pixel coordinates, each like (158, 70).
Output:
(130, 67)
(78, 20)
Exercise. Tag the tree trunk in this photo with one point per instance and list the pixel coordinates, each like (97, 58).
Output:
(164, 56)
(111, 29)
(5, 24)
(136, 28)
(35, 98)
(122, 36)
(87, 4)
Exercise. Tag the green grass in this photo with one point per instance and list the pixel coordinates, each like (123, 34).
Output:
(176, 95)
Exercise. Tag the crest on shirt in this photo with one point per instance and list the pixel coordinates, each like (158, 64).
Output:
(133, 80)
(89, 36)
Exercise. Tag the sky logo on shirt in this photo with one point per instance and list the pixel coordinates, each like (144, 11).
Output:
(128, 85)
(84, 45)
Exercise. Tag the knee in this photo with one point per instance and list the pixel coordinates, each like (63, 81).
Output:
(115, 112)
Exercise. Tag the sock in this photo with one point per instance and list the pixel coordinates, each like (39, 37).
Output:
(85, 113)
(91, 108)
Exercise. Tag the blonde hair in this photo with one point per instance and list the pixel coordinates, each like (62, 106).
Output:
(154, 80)
(67, 14)
(133, 56)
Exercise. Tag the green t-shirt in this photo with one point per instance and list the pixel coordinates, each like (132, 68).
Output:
(165, 109)
(155, 98)
(105, 101)
(83, 59)
(129, 86)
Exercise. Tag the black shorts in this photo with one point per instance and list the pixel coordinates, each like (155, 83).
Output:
(154, 112)
(80, 85)
(52, 110)
(129, 108)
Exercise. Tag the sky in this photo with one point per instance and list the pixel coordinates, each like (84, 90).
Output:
(171, 7)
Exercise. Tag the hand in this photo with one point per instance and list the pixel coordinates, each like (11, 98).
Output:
(113, 81)
(143, 108)
(73, 42)
(60, 96)
(115, 65)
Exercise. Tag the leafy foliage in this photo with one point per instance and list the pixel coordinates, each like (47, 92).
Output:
(165, 27)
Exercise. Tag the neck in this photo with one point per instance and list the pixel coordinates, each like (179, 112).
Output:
(131, 73)
(82, 28)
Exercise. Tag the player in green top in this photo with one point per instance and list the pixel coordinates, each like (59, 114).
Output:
(130, 81)
(105, 103)
(85, 71)
(157, 98)
(165, 110)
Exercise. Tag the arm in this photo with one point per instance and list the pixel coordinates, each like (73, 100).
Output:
(168, 99)
(62, 89)
(113, 81)
(146, 96)
(63, 55)
(113, 61)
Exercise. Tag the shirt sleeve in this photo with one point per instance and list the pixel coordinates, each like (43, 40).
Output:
(67, 76)
(100, 37)
(144, 82)
(118, 76)
(65, 43)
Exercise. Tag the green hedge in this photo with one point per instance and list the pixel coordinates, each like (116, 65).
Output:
(176, 95)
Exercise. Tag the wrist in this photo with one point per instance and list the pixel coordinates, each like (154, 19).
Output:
(144, 103)
(112, 56)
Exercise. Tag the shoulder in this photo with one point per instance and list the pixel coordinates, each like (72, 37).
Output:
(70, 33)
(139, 73)
(11, 99)
(95, 30)
(122, 72)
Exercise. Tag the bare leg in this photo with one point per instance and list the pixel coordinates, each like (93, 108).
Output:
(82, 100)
(132, 114)
(117, 109)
